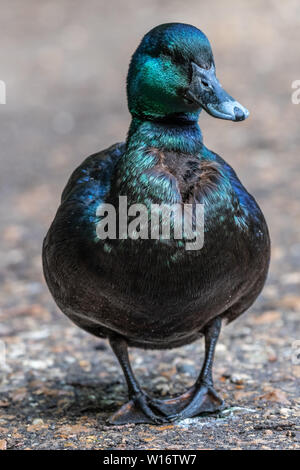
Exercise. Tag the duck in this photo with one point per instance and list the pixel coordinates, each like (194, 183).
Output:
(154, 293)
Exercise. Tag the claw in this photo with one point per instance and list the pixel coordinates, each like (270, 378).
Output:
(141, 400)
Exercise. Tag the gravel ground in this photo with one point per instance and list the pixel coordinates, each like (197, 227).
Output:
(64, 64)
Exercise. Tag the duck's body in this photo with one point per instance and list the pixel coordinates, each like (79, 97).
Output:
(125, 286)
(154, 293)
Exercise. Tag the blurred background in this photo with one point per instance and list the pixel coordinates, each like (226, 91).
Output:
(65, 64)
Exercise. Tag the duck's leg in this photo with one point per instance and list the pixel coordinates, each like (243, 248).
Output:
(201, 398)
(204, 398)
(137, 410)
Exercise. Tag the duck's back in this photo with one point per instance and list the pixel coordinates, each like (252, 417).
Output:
(155, 293)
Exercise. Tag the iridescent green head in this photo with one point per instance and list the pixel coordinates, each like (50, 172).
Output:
(173, 72)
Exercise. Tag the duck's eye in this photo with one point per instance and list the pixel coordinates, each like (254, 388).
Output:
(205, 83)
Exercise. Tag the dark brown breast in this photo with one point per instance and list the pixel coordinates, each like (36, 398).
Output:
(195, 177)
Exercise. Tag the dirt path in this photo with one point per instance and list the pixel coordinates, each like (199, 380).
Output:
(65, 66)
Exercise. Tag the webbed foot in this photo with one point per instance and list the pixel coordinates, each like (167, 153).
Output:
(145, 409)
(205, 400)
(140, 409)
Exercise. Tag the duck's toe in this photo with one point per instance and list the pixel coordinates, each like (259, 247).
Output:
(205, 400)
(140, 409)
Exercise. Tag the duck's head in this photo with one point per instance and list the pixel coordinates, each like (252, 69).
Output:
(173, 72)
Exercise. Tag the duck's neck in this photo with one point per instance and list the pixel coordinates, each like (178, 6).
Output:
(178, 133)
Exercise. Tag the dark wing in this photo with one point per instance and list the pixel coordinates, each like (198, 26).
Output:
(259, 241)
(97, 167)
(87, 187)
